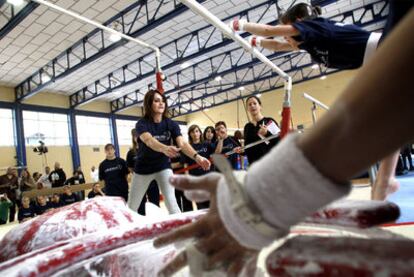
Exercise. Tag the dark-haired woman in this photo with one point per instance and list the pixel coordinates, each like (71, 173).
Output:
(209, 135)
(153, 193)
(156, 133)
(259, 128)
(204, 149)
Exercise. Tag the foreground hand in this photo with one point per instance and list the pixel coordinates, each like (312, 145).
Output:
(203, 162)
(212, 238)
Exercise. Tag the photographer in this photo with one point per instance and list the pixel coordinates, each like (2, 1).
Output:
(57, 177)
(8, 185)
(5, 205)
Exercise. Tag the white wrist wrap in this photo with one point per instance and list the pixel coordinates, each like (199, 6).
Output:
(282, 188)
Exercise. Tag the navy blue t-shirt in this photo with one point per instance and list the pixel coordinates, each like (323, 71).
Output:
(25, 213)
(203, 149)
(229, 144)
(42, 209)
(334, 44)
(114, 173)
(68, 199)
(148, 160)
(131, 158)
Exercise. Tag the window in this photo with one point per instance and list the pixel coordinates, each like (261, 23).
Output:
(51, 128)
(93, 130)
(7, 137)
(124, 128)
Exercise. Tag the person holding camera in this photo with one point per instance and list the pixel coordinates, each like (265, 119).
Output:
(5, 205)
(8, 186)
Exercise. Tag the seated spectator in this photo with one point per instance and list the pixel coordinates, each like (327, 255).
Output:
(26, 212)
(41, 205)
(36, 176)
(68, 197)
(74, 180)
(55, 202)
(26, 182)
(96, 191)
(81, 176)
(44, 179)
(57, 177)
(5, 205)
(77, 179)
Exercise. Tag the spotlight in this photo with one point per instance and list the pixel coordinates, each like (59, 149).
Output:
(185, 65)
(15, 2)
(115, 37)
(45, 79)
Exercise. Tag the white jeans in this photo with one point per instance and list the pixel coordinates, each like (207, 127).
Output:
(139, 186)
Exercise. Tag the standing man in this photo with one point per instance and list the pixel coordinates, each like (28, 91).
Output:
(8, 185)
(57, 177)
(113, 171)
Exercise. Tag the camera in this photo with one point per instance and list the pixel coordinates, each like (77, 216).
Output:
(41, 149)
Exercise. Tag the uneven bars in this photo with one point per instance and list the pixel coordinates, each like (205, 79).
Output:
(112, 31)
(316, 101)
(216, 22)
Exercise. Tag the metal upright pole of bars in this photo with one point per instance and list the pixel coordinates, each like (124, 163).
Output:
(216, 22)
(159, 75)
(372, 171)
(315, 102)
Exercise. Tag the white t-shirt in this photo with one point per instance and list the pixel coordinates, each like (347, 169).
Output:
(44, 179)
(95, 175)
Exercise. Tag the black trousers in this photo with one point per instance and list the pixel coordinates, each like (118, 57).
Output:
(184, 204)
(153, 195)
(12, 211)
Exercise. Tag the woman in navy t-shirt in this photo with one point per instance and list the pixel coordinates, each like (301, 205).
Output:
(334, 44)
(156, 133)
(204, 149)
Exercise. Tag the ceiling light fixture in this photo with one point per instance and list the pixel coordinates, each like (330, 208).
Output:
(15, 2)
(315, 66)
(218, 79)
(241, 88)
(185, 65)
(323, 77)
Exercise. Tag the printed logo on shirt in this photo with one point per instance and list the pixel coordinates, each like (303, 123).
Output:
(110, 169)
(322, 55)
(202, 150)
(166, 136)
(55, 176)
